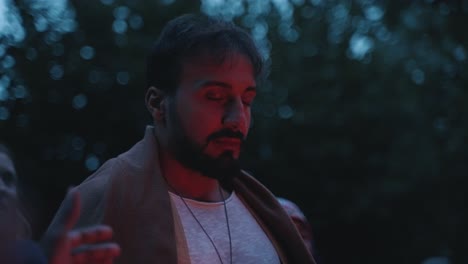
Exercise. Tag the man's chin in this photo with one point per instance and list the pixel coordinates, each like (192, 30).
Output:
(221, 168)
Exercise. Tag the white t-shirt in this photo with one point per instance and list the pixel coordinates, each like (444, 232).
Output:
(250, 244)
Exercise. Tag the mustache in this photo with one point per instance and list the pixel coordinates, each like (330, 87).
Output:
(226, 133)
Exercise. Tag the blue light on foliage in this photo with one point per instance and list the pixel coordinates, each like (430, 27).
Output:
(360, 46)
(227, 9)
(92, 162)
(418, 76)
(56, 72)
(339, 20)
(8, 62)
(40, 23)
(69, 25)
(459, 53)
(437, 260)
(20, 91)
(285, 112)
(11, 28)
(107, 2)
(135, 21)
(119, 26)
(52, 37)
(121, 12)
(79, 101)
(373, 13)
(288, 32)
(78, 143)
(87, 52)
(285, 9)
(123, 77)
(259, 7)
(382, 34)
(410, 20)
(260, 30)
(4, 112)
(166, 2)
(362, 25)
(4, 84)
(339, 12)
(316, 2)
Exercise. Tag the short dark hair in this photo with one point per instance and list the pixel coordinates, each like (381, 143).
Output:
(194, 35)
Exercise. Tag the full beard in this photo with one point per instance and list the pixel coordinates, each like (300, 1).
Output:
(191, 155)
(223, 168)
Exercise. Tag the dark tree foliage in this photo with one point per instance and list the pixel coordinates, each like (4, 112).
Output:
(363, 121)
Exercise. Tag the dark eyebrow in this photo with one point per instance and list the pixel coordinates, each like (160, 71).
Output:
(202, 84)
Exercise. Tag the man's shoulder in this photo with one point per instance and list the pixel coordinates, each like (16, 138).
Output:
(102, 175)
(247, 184)
(97, 186)
(246, 177)
(128, 162)
(96, 189)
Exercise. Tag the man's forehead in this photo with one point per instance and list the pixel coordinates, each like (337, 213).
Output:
(215, 60)
(210, 72)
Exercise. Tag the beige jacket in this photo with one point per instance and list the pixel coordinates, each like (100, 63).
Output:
(129, 194)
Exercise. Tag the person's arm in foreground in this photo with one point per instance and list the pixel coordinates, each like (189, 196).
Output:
(89, 245)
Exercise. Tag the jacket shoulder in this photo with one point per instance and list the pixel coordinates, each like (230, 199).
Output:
(93, 192)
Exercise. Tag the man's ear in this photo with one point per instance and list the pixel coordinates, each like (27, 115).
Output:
(155, 103)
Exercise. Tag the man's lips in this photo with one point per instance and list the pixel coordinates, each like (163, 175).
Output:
(227, 142)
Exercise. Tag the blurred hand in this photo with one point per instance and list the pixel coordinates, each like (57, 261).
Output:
(90, 245)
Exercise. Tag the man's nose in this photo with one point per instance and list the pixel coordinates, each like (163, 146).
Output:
(235, 117)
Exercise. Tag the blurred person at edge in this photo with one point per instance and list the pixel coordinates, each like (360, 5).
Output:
(179, 195)
(301, 222)
(62, 246)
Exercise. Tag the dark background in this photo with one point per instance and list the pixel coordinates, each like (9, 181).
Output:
(363, 122)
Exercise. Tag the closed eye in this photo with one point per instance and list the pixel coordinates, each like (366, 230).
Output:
(248, 98)
(217, 94)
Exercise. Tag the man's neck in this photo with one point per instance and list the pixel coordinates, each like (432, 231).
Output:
(189, 183)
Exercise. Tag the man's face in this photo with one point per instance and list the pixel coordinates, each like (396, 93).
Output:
(209, 115)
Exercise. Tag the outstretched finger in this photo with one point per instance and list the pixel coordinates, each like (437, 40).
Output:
(71, 211)
(98, 253)
(90, 235)
(54, 242)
